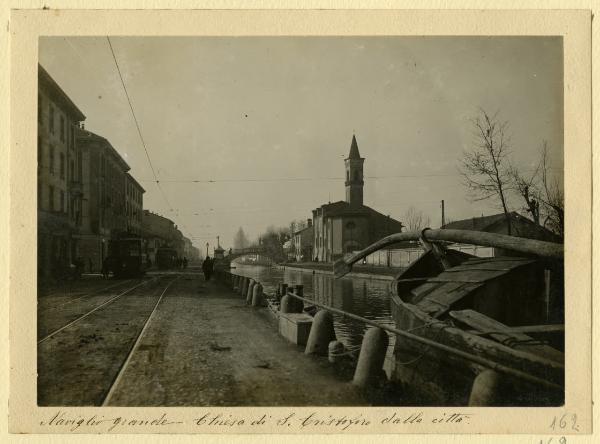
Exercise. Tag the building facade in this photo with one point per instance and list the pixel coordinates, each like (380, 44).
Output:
(104, 185)
(159, 231)
(346, 226)
(303, 243)
(134, 205)
(59, 191)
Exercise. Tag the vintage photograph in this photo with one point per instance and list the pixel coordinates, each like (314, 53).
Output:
(300, 221)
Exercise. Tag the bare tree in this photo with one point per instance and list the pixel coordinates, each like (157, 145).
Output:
(415, 219)
(240, 240)
(553, 198)
(527, 187)
(544, 198)
(485, 168)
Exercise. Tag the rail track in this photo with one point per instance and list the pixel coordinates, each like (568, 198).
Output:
(84, 295)
(117, 380)
(82, 361)
(86, 314)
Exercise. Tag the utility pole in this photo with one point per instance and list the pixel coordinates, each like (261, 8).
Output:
(207, 249)
(443, 214)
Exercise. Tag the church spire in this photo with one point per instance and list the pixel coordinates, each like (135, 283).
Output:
(354, 154)
(354, 175)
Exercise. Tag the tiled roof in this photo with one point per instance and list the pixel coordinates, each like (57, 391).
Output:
(475, 223)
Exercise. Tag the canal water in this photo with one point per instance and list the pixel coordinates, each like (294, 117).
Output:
(369, 298)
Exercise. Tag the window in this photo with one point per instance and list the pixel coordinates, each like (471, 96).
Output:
(71, 170)
(62, 166)
(347, 176)
(51, 158)
(51, 198)
(40, 119)
(356, 178)
(62, 201)
(51, 118)
(62, 129)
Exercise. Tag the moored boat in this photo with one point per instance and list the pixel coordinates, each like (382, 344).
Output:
(505, 311)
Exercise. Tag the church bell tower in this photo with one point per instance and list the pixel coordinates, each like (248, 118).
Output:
(354, 175)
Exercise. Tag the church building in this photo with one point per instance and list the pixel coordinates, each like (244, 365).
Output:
(347, 226)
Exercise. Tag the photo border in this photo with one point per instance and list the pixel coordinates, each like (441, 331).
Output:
(25, 28)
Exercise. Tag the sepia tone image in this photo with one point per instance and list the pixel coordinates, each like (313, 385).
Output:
(300, 221)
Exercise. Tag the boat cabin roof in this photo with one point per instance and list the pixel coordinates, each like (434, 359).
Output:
(437, 294)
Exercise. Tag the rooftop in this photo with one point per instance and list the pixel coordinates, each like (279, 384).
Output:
(58, 94)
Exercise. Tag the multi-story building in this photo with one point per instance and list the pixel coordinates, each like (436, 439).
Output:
(303, 243)
(346, 226)
(59, 177)
(159, 231)
(104, 216)
(134, 203)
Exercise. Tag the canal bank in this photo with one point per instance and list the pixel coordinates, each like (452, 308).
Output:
(359, 271)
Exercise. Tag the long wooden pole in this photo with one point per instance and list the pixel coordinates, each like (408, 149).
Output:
(532, 247)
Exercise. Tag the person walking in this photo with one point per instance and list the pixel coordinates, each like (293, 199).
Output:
(207, 267)
(105, 267)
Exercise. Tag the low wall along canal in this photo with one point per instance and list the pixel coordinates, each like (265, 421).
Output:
(369, 298)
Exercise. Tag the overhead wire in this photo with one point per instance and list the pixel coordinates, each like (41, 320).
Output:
(139, 131)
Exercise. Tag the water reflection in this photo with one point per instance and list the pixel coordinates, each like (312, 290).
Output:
(369, 298)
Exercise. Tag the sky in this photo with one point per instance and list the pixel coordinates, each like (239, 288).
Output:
(252, 131)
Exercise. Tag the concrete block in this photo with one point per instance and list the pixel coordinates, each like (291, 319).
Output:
(295, 327)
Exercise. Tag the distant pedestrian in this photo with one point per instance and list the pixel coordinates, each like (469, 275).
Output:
(185, 263)
(79, 264)
(207, 268)
(106, 267)
(91, 265)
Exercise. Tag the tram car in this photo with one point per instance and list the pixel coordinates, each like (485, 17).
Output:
(127, 257)
(166, 258)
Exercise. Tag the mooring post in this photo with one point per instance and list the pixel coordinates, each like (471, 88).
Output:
(288, 303)
(282, 291)
(257, 295)
(485, 389)
(371, 357)
(249, 291)
(321, 334)
(335, 350)
(244, 287)
(299, 290)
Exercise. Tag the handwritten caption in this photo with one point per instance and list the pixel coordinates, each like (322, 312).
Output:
(62, 421)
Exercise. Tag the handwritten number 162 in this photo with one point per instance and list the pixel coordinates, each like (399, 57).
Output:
(563, 423)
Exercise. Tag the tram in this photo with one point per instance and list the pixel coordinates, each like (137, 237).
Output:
(127, 257)
(166, 258)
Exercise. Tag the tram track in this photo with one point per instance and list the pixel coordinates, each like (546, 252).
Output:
(97, 307)
(82, 362)
(134, 347)
(84, 295)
